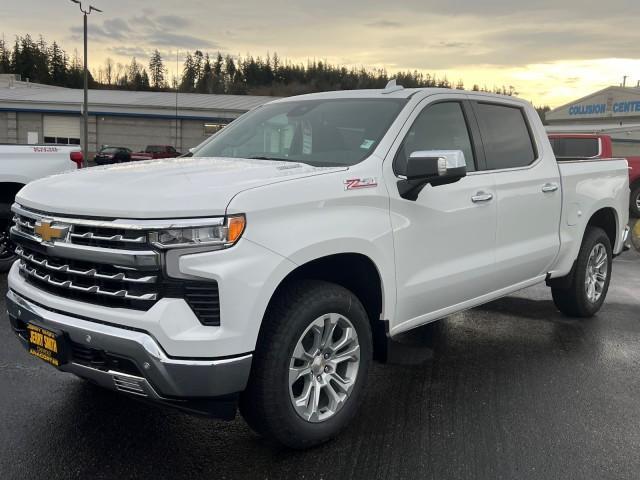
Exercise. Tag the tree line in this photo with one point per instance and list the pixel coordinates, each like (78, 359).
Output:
(50, 64)
(41, 62)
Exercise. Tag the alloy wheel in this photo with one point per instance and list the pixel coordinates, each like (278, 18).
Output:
(597, 270)
(323, 367)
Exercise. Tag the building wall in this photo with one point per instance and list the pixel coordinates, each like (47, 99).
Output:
(29, 122)
(192, 133)
(4, 127)
(138, 132)
(133, 132)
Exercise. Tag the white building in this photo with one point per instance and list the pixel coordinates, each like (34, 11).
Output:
(35, 113)
(614, 111)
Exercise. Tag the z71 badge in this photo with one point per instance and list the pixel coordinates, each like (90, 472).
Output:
(355, 183)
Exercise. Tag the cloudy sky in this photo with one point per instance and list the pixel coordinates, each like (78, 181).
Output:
(551, 51)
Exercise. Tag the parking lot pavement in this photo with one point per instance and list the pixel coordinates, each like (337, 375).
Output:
(513, 390)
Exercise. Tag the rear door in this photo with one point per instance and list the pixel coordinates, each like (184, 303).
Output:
(527, 183)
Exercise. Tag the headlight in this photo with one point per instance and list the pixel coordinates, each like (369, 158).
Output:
(222, 233)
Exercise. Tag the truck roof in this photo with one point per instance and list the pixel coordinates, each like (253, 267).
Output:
(395, 92)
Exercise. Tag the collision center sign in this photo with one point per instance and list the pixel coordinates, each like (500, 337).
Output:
(601, 108)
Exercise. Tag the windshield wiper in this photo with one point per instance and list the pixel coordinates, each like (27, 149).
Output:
(261, 157)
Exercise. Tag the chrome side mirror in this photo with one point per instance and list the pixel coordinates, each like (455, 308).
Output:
(435, 167)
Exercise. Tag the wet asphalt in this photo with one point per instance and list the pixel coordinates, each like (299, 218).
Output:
(512, 390)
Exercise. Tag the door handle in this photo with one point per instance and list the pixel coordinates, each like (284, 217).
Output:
(481, 197)
(549, 187)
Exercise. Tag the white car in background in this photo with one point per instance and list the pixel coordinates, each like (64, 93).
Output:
(19, 165)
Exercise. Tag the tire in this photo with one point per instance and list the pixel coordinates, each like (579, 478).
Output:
(578, 300)
(7, 254)
(634, 202)
(289, 326)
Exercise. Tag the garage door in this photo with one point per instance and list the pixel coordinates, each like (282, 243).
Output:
(62, 129)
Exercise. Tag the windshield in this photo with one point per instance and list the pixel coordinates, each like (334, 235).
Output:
(322, 133)
(109, 150)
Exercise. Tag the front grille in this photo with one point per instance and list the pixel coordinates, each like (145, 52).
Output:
(105, 263)
(95, 283)
(108, 237)
(92, 235)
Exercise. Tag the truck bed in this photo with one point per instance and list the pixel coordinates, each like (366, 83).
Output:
(587, 185)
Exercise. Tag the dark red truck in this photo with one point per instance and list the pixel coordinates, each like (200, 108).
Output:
(161, 151)
(575, 146)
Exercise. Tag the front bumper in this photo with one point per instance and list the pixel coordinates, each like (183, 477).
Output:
(131, 361)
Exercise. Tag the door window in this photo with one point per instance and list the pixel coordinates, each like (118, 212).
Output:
(438, 127)
(505, 135)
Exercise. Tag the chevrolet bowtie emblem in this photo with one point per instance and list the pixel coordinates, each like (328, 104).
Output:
(50, 232)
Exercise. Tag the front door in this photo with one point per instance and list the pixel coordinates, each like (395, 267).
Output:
(445, 239)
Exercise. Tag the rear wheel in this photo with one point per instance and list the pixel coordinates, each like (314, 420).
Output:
(310, 365)
(635, 201)
(7, 249)
(588, 289)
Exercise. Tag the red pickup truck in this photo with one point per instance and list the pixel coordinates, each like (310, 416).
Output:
(161, 151)
(575, 146)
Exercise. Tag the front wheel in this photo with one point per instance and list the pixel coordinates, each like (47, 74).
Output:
(310, 365)
(7, 249)
(590, 284)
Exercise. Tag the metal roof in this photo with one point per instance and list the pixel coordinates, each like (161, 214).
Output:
(35, 97)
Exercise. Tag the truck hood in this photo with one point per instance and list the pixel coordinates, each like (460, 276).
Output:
(172, 187)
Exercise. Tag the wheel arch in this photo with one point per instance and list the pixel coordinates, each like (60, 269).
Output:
(354, 271)
(607, 219)
(9, 190)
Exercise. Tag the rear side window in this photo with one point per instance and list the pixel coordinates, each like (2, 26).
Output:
(506, 136)
(575, 148)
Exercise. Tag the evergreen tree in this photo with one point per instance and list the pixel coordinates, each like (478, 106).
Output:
(41, 62)
(75, 74)
(204, 84)
(157, 71)
(57, 65)
(143, 81)
(189, 75)
(5, 57)
(198, 66)
(134, 75)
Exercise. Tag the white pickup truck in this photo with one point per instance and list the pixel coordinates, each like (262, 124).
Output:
(269, 268)
(19, 165)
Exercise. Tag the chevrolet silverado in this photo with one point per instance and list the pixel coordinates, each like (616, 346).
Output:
(268, 269)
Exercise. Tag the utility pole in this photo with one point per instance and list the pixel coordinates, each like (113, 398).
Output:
(177, 86)
(624, 80)
(85, 105)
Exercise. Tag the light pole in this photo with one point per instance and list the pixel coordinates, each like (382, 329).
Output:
(85, 107)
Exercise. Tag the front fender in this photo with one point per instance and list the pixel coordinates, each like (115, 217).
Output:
(311, 218)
